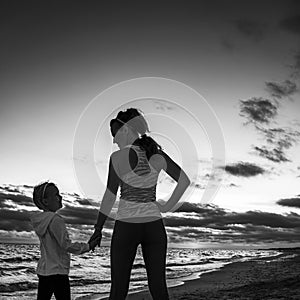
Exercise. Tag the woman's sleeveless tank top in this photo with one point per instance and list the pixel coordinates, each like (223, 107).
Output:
(138, 190)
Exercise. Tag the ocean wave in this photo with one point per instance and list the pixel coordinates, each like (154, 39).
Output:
(84, 281)
(134, 267)
(18, 259)
(17, 286)
(26, 269)
(138, 266)
(182, 264)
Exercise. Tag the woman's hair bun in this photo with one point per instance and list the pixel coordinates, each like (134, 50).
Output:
(135, 119)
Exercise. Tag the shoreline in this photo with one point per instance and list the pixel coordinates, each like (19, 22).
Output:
(276, 277)
(255, 279)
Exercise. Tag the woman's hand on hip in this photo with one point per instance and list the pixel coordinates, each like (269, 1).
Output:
(161, 206)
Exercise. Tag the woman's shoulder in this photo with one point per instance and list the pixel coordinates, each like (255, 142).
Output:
(158, 160)
(120, 155)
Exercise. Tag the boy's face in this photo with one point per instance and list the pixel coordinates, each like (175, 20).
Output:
(53, 199)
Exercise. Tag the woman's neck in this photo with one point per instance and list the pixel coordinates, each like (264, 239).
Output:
(131, 139)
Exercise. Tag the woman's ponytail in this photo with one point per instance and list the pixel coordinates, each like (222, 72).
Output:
(148, 144)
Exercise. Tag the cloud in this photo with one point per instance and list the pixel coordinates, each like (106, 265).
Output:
(290, 202)
(217, 218)
(10, 188)
(279, 90)
(244, 169)
(15, 216)
(163, 105)
(79, 215)
(84, 202)
(296, 66)
(233, 185)
(282, 138)
(82, 216)
(279, 140)
(195, 223)
(251, 29)
(258, 110)
(275, 155)
(203, 210)
(228, 45)
(11, 219)
(261, 112)
(297, 61)
(191, 223)
(291, 24)
(202, 224)
(17, 199)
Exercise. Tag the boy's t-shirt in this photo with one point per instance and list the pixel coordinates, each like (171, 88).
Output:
(55, 244)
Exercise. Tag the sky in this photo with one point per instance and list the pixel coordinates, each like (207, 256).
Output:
(59, 61)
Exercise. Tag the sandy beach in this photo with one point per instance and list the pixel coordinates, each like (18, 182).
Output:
(265, 278)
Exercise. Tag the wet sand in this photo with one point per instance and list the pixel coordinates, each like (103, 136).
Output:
(265, 278)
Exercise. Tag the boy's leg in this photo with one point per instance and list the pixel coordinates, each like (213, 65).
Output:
(45, 288)
(154, 248)
(124, 244)
(62, 289)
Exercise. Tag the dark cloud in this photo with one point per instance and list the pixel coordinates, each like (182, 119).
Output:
(85, 202)
(79, 215)
(11, 189)
(77, 199)
(14, 218)
(222, 220)
(296, 66)
(191, 222)
(233, 185)
(212, 224)
(28, 186)
(275, 155)
(297, 61)
(261, 112)
(82, 216)
(279, 140)
(11, 219)
(290, 202)
(18, 199)
(258, 110)
(228, 45)
(279, 90)
(198, 185)
(291, 24)
(244, 169)
(251, 29)
(203, 210)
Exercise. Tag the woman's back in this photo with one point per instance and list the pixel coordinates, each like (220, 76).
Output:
(138, 183)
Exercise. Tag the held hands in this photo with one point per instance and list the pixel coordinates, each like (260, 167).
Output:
(95, 239)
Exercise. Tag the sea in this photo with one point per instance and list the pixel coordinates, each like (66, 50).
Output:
(90, 272)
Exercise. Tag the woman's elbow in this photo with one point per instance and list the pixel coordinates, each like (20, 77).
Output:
(185, 179)
(188, 181)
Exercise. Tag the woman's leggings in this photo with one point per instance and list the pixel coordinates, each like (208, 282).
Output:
(125, 240)
(57, 284)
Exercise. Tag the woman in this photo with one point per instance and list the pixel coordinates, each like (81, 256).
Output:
(135, 169)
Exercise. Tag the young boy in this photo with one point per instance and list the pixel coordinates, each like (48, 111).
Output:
(55, 245)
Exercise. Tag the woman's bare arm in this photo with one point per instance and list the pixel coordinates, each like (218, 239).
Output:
(109, 197)
(183, 181)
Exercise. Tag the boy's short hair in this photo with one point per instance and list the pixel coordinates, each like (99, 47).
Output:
(39, 193)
